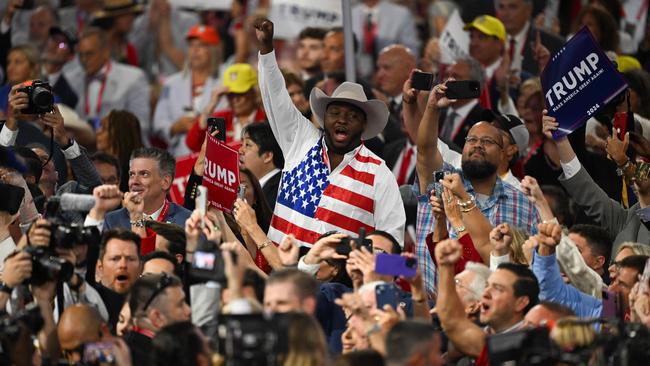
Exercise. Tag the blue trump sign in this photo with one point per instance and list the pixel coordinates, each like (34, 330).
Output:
(578, 81)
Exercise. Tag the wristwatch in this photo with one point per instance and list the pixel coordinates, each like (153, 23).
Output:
(460, 229)
(5, 288)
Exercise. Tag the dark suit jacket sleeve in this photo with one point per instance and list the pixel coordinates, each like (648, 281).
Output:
(5, 45)
(85, 171)
(609, 213)
(271, 190)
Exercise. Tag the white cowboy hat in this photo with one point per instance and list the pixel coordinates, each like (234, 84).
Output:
(348, 92)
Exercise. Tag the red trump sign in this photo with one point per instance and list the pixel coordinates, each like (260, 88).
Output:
(221, 174)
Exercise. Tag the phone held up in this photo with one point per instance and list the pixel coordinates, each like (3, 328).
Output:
(217, 124)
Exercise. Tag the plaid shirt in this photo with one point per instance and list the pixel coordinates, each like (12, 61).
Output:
(506, 204)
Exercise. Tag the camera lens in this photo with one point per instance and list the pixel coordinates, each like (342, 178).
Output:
(42, 98)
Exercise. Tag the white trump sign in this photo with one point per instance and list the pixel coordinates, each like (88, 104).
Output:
(292, 16)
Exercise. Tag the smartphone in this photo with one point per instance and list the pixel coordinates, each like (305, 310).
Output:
(643, 285)
(98, 353)
(345, 245)
(217, 124)
(395, 265)
(437, 177)
(202, 199)
(463, 89)
(241, 192)
(422, 80)
(620, 124)
(386, 294)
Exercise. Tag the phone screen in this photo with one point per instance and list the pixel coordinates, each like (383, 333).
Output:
(99, 353)
(422, 81)
(204, 260)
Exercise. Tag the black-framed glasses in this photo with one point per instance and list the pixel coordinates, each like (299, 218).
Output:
(164, 282)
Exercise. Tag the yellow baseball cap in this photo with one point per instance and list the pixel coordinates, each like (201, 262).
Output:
(489, 25)
(239, 78)
(627, 63)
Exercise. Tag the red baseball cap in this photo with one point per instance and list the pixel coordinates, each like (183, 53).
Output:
(204, 33)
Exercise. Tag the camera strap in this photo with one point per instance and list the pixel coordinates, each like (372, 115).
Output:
(100, 96)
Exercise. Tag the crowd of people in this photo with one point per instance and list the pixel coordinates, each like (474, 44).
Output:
(378, 222)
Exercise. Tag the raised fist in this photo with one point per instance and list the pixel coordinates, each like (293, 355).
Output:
(264, 34)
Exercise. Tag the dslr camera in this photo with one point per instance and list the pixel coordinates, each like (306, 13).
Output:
(41, 99)
(46, 267)
(30, 317)
(67, 236)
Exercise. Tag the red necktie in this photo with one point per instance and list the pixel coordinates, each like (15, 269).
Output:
(511, 51)
(402, 177)
(484, 100)
(369, 34)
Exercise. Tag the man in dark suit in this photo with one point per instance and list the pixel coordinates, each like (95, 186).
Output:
(394, 66)
(456, 120)
(261, 154)
(516, 16)
(151, 174)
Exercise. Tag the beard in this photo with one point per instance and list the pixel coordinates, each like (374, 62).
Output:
(478, 169)
(352, 144)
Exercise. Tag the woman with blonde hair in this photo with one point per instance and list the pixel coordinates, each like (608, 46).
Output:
(306, 342)
(23, 64)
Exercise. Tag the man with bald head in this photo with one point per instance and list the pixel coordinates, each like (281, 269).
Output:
(80, 324)
(477, 186)
(394, 66)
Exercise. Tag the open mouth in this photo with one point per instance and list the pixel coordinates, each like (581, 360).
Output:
(340, 134)
(122, 278)
(485, 308)
(137, 189)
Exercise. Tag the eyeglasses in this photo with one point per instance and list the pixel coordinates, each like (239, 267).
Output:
(164, 282)
(616, 264)
(460, 284)
(483, 141)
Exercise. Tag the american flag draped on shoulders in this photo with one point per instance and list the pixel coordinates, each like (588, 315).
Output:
(312, 201)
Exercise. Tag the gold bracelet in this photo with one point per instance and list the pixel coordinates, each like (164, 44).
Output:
(466, 203)
(265, 244)
(466, 210)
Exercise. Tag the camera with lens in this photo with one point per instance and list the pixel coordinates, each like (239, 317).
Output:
(41, 99)
(207, 263)
(46, 267)
(30, 317)
(67, 236)
(253, 339)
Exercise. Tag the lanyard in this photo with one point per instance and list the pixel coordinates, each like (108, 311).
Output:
(98, 106)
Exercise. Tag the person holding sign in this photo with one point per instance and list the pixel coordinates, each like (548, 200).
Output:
(331, 181)
(624, 225)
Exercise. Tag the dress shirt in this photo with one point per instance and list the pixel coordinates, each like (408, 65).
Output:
(461, 114)
(297, 137)
(400, 159)
(552, 288)
(520, 41)
(268, 176)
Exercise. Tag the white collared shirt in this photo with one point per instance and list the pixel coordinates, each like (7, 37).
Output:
(491, 69)
(268, 176)
(93, 89)
(520, 42)
(461, 114)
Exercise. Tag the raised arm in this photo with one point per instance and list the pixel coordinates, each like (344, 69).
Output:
(465, 335)
(429, 158)
(582, 187)
(286, 121)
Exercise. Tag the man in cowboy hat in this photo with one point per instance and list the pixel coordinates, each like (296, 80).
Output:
(331, 181)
